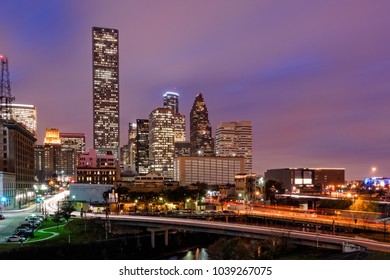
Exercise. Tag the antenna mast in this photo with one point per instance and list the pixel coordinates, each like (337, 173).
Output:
(5, 90)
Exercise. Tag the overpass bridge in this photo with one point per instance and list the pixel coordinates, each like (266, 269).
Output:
(307, 238)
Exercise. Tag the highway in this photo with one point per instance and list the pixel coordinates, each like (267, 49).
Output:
(51, 206)
(250, 230)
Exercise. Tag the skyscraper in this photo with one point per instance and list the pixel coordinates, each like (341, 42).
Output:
(235, 139)
(171, 100)
(179, 128)
(105, 45)
(142, 147)
(57, 157)
(72, 142)
(201, 139)
(75, 141)
(131, 146)
(161, 141)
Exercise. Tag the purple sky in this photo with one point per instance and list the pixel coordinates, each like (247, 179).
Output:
(313, 76)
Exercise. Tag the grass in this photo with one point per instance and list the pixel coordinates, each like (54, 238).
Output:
(75, 231)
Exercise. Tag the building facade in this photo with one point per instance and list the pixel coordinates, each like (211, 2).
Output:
(16, 163)
(161, 142)
(54, 160)
(182, 149)
(202, 142)
(207, 169)
(92, 159)
(95, 168)
(307, 180)
(105, 44)
(235, 139)
(102, 175)
(171, 100)
(75, 141)
(24, 114)
(142, 147)
(132, 149)
(247, 188)
(179, 128)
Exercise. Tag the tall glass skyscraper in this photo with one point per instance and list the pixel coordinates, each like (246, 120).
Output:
(171, 100)
(142, 147)
(202, 143)
(105, 45)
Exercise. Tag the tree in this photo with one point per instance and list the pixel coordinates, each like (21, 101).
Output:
(232, 249)
(363, 205)
(56, 217)
(122, 192)
(271, 187)
(66, 210)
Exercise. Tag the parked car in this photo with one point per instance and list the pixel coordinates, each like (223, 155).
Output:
(35, 224)
(19, 229)
(2, 217)
(33, 218)
(14, 238)
(26, 224)
(25, 234)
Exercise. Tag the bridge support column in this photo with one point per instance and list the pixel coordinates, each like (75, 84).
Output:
(153, 236)
(153, 239)
(333, 228)
(166, 237)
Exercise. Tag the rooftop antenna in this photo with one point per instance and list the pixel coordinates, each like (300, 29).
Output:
(5, 90)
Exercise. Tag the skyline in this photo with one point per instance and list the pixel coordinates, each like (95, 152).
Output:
(311, 76)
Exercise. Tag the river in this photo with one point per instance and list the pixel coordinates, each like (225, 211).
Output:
(192, 254)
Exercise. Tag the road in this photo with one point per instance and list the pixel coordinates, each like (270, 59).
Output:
(14, 217)
(12, 220)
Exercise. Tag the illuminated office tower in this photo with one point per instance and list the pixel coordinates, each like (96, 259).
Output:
(60, 160)
(132, 149)
(235, 139)
(57, 157)
(179, 128)
(171, 100)
(48, 156)
(73, 140)
(24, 114)
(161, 142)
(202, 143)
(142, 147)
(106, 90)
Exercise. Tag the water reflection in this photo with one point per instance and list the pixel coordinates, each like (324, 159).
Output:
(195, 254)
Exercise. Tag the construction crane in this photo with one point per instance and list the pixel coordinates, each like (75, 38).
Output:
(5, 90)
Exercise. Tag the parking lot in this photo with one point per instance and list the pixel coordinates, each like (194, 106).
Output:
(12, 220)
(25, 229)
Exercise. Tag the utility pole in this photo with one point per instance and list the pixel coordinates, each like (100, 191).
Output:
(107, 222)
